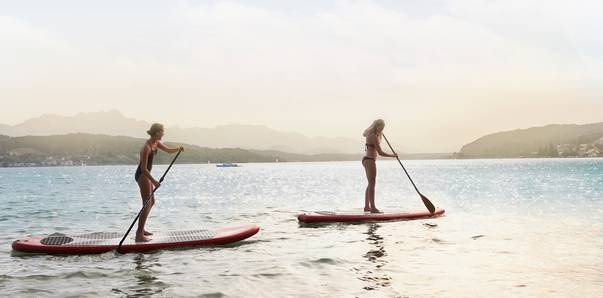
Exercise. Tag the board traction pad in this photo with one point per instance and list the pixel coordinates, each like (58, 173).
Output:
(111, 238)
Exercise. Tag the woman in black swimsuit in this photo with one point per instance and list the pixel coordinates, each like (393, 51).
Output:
(143, 177)
(372, 146)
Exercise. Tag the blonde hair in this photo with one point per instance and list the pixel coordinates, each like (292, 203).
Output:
(373, 128)
(155, 128)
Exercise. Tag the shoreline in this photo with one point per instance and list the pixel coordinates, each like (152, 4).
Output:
(293, 162)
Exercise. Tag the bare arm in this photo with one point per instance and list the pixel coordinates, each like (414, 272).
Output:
(144, 158)
(381, 152)
(168, 149)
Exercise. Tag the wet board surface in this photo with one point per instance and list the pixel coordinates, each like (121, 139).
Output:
(360, 216)
(101, 242)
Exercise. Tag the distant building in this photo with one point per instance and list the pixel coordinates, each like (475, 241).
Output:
(584, 149)
(565, 150)
(594, 152)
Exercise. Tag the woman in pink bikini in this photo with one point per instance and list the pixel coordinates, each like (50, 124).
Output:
(373, 136)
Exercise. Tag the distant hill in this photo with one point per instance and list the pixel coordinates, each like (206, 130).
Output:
(236, 135)
(90, 149)
(108, 123)
(533, 142)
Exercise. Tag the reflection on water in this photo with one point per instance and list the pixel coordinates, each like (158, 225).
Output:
(145, 277)
(376, 256)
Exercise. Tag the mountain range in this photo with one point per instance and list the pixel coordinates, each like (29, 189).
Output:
(95, 149)
(256, 137)
(531, 142)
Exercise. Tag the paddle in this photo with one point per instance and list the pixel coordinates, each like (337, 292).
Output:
(426, 201)
(146, 202)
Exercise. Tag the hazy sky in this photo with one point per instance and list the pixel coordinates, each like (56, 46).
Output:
(441, 73)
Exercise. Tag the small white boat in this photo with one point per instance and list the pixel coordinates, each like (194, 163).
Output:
(227, 165)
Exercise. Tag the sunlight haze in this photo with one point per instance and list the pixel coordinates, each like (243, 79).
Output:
(441, 73)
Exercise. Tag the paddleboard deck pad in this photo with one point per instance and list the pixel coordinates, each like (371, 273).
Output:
(325, 216)
(101, 242)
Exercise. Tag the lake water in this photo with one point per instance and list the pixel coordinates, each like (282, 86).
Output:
(513, 228)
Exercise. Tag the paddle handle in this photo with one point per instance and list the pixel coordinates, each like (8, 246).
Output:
(147, 200)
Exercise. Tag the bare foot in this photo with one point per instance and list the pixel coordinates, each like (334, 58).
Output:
(148, 233)
(142, 238)
(367, 209)
(375, 210)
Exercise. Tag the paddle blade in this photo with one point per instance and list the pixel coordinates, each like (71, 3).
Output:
(427, 203)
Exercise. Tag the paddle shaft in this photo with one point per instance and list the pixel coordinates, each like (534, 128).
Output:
(147, 201)
(390, 147)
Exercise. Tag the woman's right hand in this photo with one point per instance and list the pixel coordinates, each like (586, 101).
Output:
(156, 183)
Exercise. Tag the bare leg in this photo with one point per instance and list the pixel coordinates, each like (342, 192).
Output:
(369, 195)
(150, 205)
(367, 200)
(146, 188)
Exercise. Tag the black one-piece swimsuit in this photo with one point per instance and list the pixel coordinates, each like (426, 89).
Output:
(149, 165)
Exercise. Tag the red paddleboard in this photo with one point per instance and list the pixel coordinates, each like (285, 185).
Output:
(324, 216)
(101, 242)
